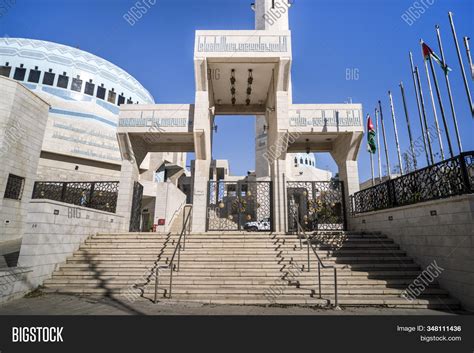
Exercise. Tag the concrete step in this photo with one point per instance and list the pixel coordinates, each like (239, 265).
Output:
(197, 265)
(216, 281)
(386, 276)
(251, 289)
(251, 271)
(344, 300)
(236, 268)
(234, 257)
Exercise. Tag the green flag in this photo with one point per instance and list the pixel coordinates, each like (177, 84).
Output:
(371, 145)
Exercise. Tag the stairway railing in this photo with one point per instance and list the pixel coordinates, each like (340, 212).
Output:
(301, 233)
(181, 245)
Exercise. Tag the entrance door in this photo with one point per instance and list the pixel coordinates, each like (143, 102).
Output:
(239, 205)
(319, 205)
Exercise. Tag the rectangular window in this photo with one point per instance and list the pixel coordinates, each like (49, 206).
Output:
(90, 87)
(34, 76)
(121, 100)
(48, 78)
(112, 96)
(76, 85)
(5, 71)
(14, 189)
(20, 73)
(101, 92)
(63, 81)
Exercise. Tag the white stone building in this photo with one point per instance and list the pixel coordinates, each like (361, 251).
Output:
(255, 80)
(85, 93)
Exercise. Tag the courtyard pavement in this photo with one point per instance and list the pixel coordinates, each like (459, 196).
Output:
(61, 304)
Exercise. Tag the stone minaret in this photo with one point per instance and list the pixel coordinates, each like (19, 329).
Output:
(270, 15)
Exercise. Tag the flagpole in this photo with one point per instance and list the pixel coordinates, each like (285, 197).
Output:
(468, 53)
(448, 86)
(422, 100)
(438, 130)
(378, 143)
(466, 85)
(410, 136)
(438, 93)
(394, 120)
(372, 168)
(385, 141)
(370, 128)
(419, 108)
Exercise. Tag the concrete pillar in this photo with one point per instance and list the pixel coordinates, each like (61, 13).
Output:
(202, 164)
(261, 163)
(129, 174)
(200, 190)
(278, 173)
(345, 151)
(276, 154)
(349, 175)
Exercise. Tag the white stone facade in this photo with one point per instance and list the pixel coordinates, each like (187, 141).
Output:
(254, 79)
(440, 230)
(85, 93)
(23, 117)
(54, 230)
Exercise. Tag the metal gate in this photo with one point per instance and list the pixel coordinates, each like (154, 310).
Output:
(319, 205)
(135, 213)
(239, 205)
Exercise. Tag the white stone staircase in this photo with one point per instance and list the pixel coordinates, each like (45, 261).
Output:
(248, 268)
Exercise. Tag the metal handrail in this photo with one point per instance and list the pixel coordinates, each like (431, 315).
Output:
(300, 230)
(186, 229)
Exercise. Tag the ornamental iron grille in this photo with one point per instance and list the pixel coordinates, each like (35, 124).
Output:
(241, 205)
(14, 188)
(468, 160)
(97, 195)
(451, 177)
(318, 204)
(135, 213)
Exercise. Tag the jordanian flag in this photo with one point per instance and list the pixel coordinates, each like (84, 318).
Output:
(371, 145)
(427, 52)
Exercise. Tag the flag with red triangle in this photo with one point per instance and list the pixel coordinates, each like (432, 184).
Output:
(371, 145)
(427, 52)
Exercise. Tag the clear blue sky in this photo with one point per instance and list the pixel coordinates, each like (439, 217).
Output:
(329, 37)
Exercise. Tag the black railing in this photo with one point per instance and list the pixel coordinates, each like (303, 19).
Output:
(451, 177)
(301, 234)
(181, 245)
(97, 195)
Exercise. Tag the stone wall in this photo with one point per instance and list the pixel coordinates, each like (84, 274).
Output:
(54, 231)
(169, 202)
(10, 280)
(441, 230)
(23, 117)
